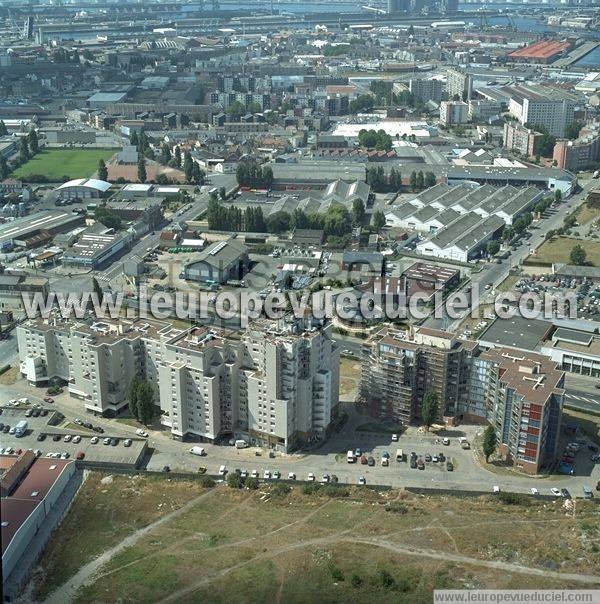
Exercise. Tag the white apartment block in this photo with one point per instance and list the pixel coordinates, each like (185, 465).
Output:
(537, 106)
(276, 384)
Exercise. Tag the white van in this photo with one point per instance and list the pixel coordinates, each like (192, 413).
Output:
(241, 444)
(197, 451)
(350, 458)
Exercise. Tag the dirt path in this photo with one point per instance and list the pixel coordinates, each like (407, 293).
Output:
(225, 545)
(398, 549)
(66, 592)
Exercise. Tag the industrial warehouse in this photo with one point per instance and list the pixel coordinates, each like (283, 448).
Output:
(461, 220)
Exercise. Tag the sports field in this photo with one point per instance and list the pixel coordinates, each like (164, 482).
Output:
(342, 544)
(58, 165)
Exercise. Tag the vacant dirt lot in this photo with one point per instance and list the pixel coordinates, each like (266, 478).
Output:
(356, 545)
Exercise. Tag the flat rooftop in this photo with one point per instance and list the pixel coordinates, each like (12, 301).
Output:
(517, 332)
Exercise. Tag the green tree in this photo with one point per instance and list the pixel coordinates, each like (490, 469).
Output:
(578, 255)
(32, 139)
(413, 181)
(4, 170)
(133, 139)
(236, 109)
(378, 220)
(488, 446)
(279, 222)
(132, 394)
(420, 180)
(165, 154)
(23, 150)
(252, 483)
(188, 167)
(558, 195)
(430, 179)
(430, 408)
(234, 481)
(97, 290)
(358, 211)
(198, 175)
(145, 403)
(508, 233)
(141, 171)
(3, 128)
(102, 170)
(493, 247)
(178, 156)
(572, 130)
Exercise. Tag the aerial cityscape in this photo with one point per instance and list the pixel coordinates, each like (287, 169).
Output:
(300, 301)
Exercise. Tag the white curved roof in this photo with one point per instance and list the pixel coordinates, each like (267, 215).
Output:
(90, 183)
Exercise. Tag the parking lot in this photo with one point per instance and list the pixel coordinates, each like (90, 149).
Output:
(587, 293)
(42, 435)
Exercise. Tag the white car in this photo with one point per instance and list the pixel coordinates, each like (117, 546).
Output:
(67, 438)
(94, 440)
(77, 439)
(362, 480)
(142, 433)
(267, 474)
(496, 488)
(106, 441)
(291, 476)
(244, 474)
(394, 438)
(311, 476)
(254, 473)
(534, 491)
(555, 491)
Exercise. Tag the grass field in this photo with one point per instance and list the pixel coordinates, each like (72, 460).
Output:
(558, 250)
(363, 546)
(587, 213)
(103, 515)
(57, 165)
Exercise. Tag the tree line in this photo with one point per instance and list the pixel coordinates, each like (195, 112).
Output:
(382, 183)
(251, 175)
(141, 399)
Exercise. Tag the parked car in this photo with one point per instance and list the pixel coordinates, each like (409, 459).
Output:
(127, 442)
(48, 399)
(77, 439)
(114, 442)
(371, 461)
(363, 460)
(427, 457)
(311, 477)
(291, 476)
(267, 474)
(106, 441)
(94, 440)
(555, 491)
(80, 455)
(420, 464)
(394, 438)
(325, 478)
(56, 438)
(41, 437)
(362, 480)
(534, 491)
(565, 493)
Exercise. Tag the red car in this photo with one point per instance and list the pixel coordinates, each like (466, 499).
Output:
(48, 399)
(80, 455)
(364, 460)
(18, 451)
